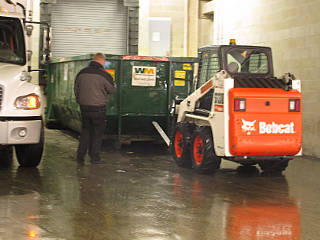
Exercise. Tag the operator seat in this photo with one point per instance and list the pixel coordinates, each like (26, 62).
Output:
(233, 67)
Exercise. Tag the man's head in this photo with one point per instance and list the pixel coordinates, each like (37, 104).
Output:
(100, 58)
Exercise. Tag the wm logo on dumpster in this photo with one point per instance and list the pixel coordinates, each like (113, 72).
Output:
(144, 76)
(142, 70)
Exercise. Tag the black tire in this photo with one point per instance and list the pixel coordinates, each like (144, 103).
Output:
(6, 156)
(180, 144)
(274, 166)
(29, 155)
(203, 156)
(247, 170)
(52, 124)
(172, 126)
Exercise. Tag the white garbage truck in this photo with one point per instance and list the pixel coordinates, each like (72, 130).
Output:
(21, 126)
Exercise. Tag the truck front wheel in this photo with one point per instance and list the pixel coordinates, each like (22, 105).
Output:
(6, 156)
(29, 155)
(180, 145)
(203, 156)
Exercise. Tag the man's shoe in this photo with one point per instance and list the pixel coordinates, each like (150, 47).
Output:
(80, 163)
(98, 162)
(80, 160)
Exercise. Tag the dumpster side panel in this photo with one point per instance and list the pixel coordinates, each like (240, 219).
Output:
(144, 87)
(182, 78)
(62, 105)
(143, 96)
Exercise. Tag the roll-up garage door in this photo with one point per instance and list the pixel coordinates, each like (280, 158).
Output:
(81, 27)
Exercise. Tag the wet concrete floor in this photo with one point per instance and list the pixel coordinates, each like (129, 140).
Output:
(141, 194)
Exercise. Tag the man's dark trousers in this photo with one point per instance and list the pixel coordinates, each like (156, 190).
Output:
(93, 126)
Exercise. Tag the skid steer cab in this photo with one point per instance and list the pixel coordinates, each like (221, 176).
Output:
(239, 111)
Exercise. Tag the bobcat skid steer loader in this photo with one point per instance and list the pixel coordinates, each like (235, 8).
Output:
(239, 111)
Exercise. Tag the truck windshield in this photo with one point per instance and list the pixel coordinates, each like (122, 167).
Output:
(243, 60)
(12, 49)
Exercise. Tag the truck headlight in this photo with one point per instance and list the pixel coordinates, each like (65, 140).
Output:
(28, 102)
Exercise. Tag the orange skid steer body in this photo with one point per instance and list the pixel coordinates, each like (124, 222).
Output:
(266, 126)
(239, 111)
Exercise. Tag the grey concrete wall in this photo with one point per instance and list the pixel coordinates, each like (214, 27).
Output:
(175, 10)
(292, 29)
(184, 15)
(205, 23)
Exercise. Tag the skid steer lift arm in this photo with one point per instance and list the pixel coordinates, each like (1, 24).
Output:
(189, 104)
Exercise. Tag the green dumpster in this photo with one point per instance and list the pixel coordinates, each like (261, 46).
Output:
(147, 88)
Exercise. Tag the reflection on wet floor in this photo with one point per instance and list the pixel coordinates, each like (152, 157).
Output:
(19, 203)
(141, 194)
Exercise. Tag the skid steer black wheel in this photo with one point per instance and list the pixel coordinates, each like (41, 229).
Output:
(274, 166)
(29, 155)
(180, 146)
(203, 156)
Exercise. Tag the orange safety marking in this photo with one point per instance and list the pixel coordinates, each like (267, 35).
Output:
(218, 108)
(207, 86)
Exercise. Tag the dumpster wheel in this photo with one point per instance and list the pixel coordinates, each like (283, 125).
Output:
(204, 159)
(180, 146)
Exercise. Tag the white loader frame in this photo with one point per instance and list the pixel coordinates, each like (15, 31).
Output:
(218, 117)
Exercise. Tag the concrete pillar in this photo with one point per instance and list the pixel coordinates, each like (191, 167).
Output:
(193, 28)
(175, 10)
(143, 46)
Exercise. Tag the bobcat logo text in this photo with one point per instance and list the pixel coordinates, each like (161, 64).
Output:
(267, 128)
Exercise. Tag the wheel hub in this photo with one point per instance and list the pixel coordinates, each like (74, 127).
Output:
(198, 150)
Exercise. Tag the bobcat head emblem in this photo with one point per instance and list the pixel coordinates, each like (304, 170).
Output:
(248, 126)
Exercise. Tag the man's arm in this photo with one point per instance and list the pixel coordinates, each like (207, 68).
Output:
(76, 88)
(110, 86)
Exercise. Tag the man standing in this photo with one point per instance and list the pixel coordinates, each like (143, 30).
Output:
(92, 88)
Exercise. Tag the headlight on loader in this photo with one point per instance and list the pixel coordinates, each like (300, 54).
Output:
(28, 102)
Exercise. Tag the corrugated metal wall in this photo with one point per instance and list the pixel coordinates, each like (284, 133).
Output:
(80, 27)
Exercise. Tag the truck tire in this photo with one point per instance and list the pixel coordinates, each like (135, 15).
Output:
(180, 145)
(29, 155)
(6, 156)
(203, 156)
(274, 166)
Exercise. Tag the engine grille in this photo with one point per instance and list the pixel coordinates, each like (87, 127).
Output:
(249, 82)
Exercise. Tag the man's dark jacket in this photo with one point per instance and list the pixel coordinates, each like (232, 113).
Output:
(93, 85)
